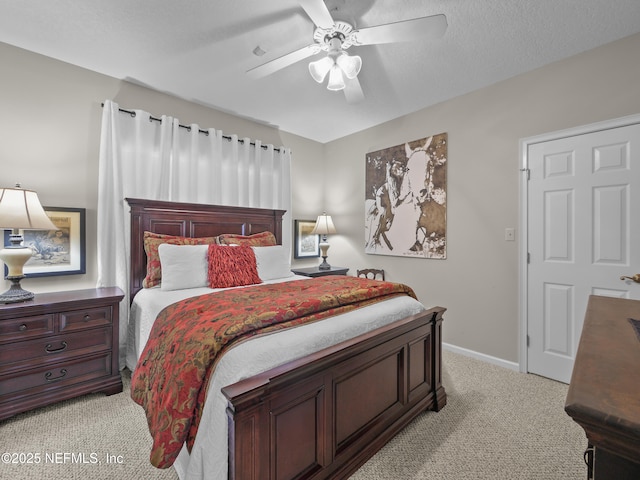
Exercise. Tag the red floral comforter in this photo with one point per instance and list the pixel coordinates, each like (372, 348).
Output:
(171, 378)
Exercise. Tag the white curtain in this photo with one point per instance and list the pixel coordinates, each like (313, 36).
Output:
(160, 160)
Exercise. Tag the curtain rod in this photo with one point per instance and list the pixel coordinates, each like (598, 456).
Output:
(226, 137)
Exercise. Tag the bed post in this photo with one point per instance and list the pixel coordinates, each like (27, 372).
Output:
(440, 395)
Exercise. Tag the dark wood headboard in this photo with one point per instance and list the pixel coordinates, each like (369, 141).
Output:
(191, 220)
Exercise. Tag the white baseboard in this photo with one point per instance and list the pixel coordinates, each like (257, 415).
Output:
(481, 356)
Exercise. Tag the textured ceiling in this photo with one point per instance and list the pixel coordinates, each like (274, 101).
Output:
(200, 50)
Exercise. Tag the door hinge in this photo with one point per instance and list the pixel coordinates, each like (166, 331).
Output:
(528, 172)
(528, 340)
(528, 258)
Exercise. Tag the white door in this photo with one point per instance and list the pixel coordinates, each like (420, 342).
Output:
(583, 234)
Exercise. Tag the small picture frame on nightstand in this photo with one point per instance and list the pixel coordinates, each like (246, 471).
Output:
(306, 244)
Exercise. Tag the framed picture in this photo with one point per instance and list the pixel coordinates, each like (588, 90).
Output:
(406, 199)
(56, 252)
(306, 244)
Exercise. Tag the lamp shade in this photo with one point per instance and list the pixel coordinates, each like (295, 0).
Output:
(350, 65)
(320, 68)
(336, 82)
(324, 225)
(21, 209)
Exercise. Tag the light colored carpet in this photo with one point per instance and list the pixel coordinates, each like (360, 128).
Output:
(498, 424)
(110, 427)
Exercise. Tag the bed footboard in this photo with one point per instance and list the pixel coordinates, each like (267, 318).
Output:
(324, 415)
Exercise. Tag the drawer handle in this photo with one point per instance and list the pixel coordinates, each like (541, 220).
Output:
(49, 378)
(22, 327)
(48, 348)
(87, 317)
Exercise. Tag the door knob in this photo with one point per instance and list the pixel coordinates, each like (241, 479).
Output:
(635, 278)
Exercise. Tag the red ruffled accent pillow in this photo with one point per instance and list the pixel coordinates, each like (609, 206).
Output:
(232, 266)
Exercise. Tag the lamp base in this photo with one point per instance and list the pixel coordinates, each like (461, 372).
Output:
(324, 246)
(324, 265)
(16, 294)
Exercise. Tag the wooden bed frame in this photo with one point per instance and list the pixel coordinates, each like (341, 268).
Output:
(324, 415)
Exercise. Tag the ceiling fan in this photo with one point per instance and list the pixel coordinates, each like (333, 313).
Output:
(335, 37)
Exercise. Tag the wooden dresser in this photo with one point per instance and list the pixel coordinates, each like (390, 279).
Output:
(58, 346)
(604, 393)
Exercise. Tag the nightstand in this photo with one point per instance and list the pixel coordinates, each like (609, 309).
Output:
(316, 272)
(58, 346)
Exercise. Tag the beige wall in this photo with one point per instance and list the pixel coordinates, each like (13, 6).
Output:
(50, 117)
(478, 282)
(50, 129)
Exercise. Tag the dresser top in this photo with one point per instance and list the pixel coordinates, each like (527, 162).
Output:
(66, 299)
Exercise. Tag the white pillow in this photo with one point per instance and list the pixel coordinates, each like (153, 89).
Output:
(273, 262)
(183, 266)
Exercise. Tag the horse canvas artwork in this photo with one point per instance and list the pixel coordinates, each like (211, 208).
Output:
(406, 199)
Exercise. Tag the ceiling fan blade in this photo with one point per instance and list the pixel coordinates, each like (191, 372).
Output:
(352, 90)
(318, 12)
(404, 31)
(283, 61)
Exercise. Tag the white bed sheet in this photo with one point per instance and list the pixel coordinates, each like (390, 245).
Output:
(208, 458)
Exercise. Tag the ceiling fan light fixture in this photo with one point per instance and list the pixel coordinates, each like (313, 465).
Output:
(350, 65)
(336, 82)
(320, 68)
(335, 36)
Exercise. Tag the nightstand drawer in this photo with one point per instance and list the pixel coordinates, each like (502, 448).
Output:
(82, 319)
(54, 348)
(26, 327)
(60, 374)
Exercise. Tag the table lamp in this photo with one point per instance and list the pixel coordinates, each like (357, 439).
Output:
(324, 226)
(19, 210)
